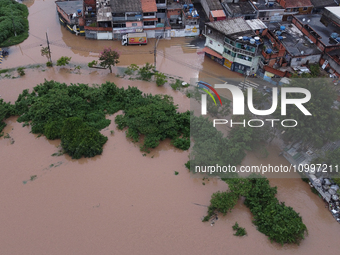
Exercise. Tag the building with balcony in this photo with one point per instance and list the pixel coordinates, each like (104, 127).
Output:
(241, 8)
(70, 15)
(127, 17)
(183, 18)
(293, 7)
(235, 43)
(269, 10)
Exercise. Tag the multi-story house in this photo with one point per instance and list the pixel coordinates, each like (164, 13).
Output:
(269, 10)
(240, 8)
(293, 7)
(235, 43)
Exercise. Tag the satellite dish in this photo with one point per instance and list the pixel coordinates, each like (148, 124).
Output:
(303, 19)
(308, 20)
(302, 52)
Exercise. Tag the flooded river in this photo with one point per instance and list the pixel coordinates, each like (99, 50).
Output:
(122, 202)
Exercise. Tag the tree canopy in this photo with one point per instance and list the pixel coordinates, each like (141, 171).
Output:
(51, 109)
(323, 125)
(13, 19)
(108, 58)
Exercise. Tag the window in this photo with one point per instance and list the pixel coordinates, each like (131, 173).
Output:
(244, 57)
(298, 59)
(209, 31)
(211, 41)
(161, 10)
(134, 24)
(160, 1)
(148, 14)
(149, 23)
(305, 8)
(229, 52)
(227, 40)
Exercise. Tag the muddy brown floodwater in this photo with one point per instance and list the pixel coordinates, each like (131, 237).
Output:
(121, 202)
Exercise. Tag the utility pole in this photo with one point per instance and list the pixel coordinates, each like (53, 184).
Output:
(155, 51)
(48, 46)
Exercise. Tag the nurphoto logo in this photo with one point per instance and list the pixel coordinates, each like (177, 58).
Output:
(239, 102)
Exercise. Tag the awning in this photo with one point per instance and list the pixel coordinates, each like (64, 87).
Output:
(212, 52)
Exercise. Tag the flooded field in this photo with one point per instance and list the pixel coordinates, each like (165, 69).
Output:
(122, 202)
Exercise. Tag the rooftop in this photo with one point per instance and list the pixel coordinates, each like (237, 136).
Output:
(70, 7)
(218, 13)
(294, 40)
(240, 7)
(230, 26)
(323, 3)
(121, 6)
(313, 21)
(214, 5)
(256, 24)
(334, 10)
(261, 5)
(297, 3)
(149, 6)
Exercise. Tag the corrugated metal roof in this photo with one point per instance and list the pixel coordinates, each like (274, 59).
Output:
(230, 26)
(70, 7)
(256, 24)
(323, 3)
(214, 5)
(120, 6)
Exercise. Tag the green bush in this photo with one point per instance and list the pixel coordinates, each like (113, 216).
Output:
(130, 70)
(78, 139)
(92, 63)
(160, 78)
(146, 72)
(176, 85)
(222, 202)
(49, 64)
(21, 71)
(63, 61)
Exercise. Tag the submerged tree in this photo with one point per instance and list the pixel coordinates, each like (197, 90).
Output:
(109, 58)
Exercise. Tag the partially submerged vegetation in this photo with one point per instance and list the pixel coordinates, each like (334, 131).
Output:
(274, 219)
(76, 113)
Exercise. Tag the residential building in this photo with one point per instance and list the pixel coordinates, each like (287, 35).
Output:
(269, 10)
(70, 15)
(213, 9)
(183, 19)
(240, 8)
(293, 7)
(319, 5)
(235, 43)
(324, 31)
(287, 46)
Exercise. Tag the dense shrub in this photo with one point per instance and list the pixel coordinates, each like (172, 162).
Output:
(78, 139)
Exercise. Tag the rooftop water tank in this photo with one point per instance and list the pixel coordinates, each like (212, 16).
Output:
(270, 4)
(280, 38)
(334, 35)
(257, 38)
(79, 10)
(268, 51)
(252, 41)
(278, 32)
(338, 39)
(185, 6)
(282, 28)
(245, 38)
(191, 5)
